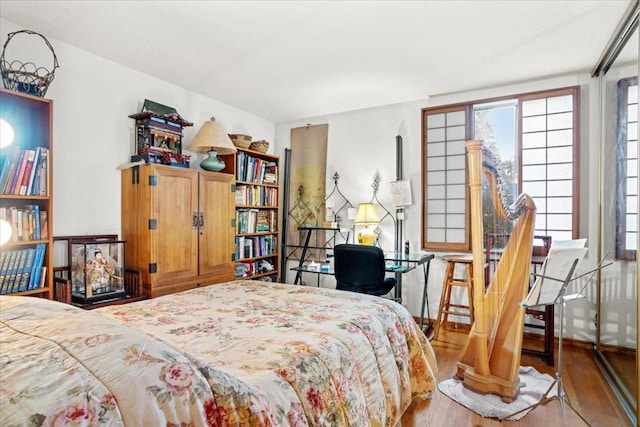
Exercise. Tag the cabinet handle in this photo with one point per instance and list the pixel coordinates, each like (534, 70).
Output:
(194, 224)
(201, 223)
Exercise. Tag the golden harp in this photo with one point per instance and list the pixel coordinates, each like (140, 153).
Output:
(490, 359)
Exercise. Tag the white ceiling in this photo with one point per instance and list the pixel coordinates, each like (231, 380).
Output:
(283, 60)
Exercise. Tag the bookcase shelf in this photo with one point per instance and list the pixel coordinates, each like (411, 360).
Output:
(257, 241)
(26, 261)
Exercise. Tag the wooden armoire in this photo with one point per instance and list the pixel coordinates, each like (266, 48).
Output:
(179, 226)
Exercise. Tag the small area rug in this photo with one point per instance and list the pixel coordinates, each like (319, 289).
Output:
(533, 385)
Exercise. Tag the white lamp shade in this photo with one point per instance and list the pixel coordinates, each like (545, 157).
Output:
(212, 136)
(367, 214)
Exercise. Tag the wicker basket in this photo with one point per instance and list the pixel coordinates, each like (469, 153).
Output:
(260, 146)
(26, 76)
(241, 141)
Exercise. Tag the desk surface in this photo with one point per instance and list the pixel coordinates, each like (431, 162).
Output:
(399, 262)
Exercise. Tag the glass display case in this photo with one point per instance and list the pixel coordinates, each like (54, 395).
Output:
(97, 270)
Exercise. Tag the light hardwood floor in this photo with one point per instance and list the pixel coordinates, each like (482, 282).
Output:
(585, 386)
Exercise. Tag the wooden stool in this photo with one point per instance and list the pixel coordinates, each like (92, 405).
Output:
(445, 308)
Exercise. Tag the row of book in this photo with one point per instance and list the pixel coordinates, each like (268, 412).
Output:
(249, 268)
(22, 269)
(27, 223)
(255, 195)
(25, 172)
(256, 246)
(253, 169)
(250, 221)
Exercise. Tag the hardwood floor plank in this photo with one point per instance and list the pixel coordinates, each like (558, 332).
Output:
(585, 386)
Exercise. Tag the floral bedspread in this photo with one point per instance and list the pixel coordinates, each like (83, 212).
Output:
(243, 353)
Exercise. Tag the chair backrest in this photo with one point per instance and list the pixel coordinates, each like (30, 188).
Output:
(360, 268)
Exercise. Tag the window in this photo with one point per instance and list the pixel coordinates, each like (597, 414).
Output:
(627, 169)
(534, 135)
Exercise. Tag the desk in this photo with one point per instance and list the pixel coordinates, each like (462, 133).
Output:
(397, 263)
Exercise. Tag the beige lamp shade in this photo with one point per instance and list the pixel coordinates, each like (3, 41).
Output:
(212, 136)
(367, 214)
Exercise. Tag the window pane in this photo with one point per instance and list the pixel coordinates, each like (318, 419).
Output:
(541, 222)
(456, 206)
(534, 107)
(436, 220)
(535, 188)
(456, 235)
(456, 118)
(537, 172)
(455, 132)
(535, 156)
(560, 137)
(534, 140)
(631, 242)
(560, 121)
(632, 167)
(632, 149)
(456, 221)
(632, 186)
(436, 235)
(632, 204)
(435, 120)
(535, 123)
(559, 222)
(456, 162)
(436, 191)
(560, 204)
(560, 154)
(456, 191)
(541, 206)
(435, 206)
(560, 188)
(456, 147)
(435, 178)
(560, 235)
(559, 104)
(456, 177)
(632, 131)
(632, 224)
(435, 135)
(436, 149)
(436, 163)
(560, 171)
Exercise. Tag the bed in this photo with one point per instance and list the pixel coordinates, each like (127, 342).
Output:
(242, 353)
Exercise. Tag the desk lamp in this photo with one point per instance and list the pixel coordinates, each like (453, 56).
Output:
(367, 215)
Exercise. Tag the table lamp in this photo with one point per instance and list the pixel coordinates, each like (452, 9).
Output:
(213, 140)
(367, 215)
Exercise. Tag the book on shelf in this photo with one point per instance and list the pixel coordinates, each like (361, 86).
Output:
(10, 272)
(25, 270)
(24, 172)
(27, 224)
(22, 269)
(38, 271)
(16, 173)
(30, 156)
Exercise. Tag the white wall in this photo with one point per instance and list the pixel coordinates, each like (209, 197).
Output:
(93, 135)
(361, 142)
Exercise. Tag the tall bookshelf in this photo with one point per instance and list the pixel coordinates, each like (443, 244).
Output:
(257, 247)
(26, 201)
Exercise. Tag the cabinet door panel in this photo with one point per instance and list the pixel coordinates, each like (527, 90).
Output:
(175, 248)
(217, 204)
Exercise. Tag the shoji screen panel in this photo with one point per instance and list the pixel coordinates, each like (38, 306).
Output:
(550, 159)
(445, 211)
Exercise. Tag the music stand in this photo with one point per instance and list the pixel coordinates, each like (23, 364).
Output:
(551, 290)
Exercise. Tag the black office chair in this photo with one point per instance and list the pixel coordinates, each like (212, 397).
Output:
(360, 268)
